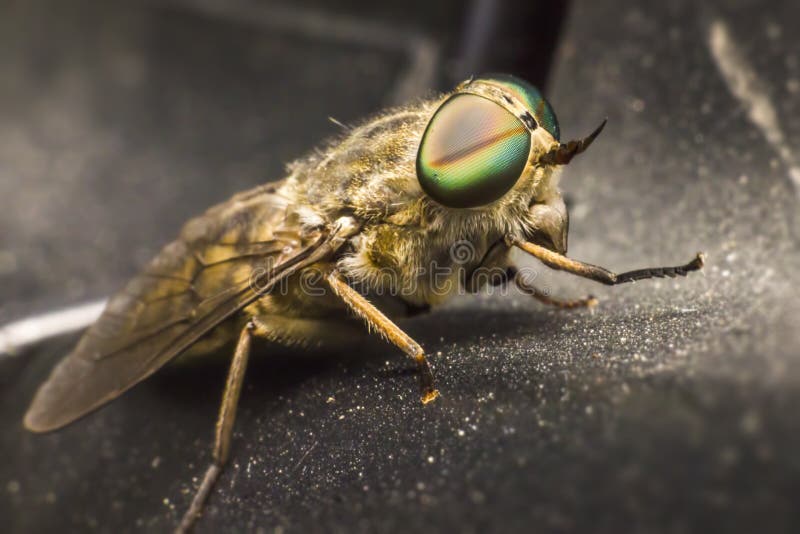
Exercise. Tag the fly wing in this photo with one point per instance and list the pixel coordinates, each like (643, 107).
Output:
(222, 261)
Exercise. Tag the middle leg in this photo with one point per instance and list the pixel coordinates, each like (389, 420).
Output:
(529, 289)
(496, 270)
(383, 325)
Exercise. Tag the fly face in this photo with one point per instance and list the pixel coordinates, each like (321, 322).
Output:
(495, 136)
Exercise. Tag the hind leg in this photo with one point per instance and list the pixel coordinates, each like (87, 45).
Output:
(225, 420)
(278, 329)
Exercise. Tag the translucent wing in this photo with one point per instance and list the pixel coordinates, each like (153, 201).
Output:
(194, 284)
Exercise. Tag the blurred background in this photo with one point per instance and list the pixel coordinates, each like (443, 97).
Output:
(668, 409)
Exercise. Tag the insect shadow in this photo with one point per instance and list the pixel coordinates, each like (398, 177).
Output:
(275, 370)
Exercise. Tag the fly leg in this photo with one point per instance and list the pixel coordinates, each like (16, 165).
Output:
(560, 262)
(375, 319)
(495, 271)
(225, 420)
(543, 297)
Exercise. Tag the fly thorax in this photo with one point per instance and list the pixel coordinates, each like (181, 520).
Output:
(411, 264)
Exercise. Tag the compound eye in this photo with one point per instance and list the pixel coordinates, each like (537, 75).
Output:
(472, 153)
(531, 97)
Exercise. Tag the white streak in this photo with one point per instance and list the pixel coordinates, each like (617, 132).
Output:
(34, 329)
(750, 90)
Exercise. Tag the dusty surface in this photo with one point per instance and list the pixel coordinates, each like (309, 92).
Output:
(671, 408)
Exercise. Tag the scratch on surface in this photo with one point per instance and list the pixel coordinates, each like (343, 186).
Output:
(751, 91)
(305, 455)
(18, 334)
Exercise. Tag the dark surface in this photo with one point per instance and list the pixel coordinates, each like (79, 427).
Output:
(671, 408)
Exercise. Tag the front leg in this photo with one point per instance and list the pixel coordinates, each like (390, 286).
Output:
(376, 320)
(560, 262)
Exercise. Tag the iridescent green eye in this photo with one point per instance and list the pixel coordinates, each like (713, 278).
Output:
(473, 151)
(531, 98)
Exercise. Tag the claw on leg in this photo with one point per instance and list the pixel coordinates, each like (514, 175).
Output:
(430, 396)
(429, 393)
